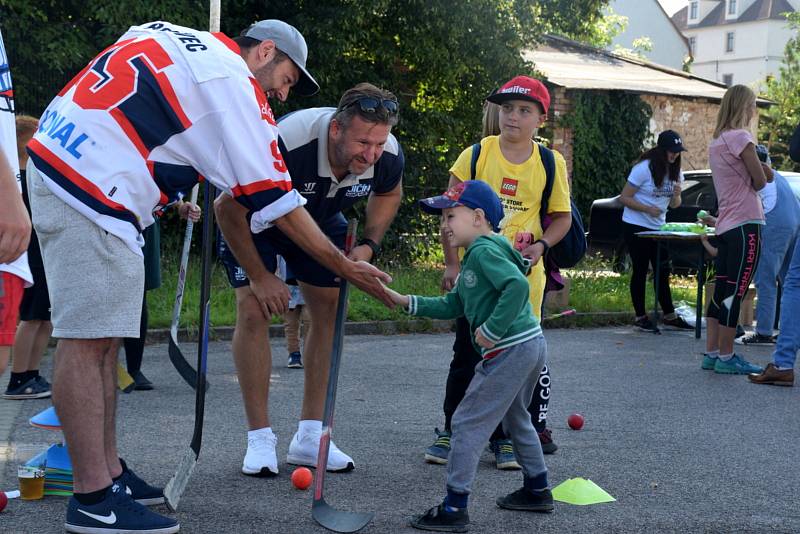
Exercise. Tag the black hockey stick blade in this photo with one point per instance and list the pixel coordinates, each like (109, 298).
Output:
(187, 372)
(338, 520)
(177, 484)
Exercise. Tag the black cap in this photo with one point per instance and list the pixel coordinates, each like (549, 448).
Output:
(670, 141)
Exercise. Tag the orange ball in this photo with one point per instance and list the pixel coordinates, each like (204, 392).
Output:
(302, 478)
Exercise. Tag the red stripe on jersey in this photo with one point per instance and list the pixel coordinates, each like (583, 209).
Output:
(227, 41)
(257, 187)
(130, 131)
(72, 175)
(151, 168)
(263, 105)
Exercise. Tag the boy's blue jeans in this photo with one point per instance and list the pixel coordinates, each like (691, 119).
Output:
(777, 248)
(789, 338)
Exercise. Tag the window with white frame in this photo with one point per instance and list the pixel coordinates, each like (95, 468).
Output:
(692, 45)
(727, 79)
(693, 10)
(729, 42)
(731, 7)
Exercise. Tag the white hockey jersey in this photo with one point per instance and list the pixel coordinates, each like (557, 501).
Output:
(160, 109)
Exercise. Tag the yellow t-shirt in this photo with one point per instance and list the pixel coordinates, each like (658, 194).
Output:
(520, 187)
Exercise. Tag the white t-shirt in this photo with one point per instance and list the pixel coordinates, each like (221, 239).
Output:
(647, 193)
(769, 196)
(8, 144)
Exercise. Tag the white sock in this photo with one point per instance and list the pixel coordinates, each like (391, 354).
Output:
(266, 431)
(784, 368)
(309, 426)
(713, 354)
(725, 357)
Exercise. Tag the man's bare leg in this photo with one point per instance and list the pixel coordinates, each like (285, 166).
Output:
(78, 396)
(253, 358)
(321, 303)
(109, 374)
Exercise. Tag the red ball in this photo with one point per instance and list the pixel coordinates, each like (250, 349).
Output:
(575, 421)
(3, 500)
(302, 478)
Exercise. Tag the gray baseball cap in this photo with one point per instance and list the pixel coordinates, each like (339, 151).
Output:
(290, 42)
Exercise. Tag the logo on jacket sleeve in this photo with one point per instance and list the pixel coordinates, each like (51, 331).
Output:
(509, 187)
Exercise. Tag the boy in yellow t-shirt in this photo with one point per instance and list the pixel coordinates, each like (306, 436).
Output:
(512, 165)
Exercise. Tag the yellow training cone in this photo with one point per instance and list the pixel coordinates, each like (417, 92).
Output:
(580, 491)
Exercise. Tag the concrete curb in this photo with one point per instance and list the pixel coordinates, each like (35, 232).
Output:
(411, 326)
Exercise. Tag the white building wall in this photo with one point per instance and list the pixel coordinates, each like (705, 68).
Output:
(647, 19)
(758, 50)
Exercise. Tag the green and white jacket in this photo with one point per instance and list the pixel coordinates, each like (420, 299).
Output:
(491, 293)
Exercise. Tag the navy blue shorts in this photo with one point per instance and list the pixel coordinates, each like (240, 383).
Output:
(272, 242)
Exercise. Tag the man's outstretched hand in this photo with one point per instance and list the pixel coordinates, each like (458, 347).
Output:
(369, 279)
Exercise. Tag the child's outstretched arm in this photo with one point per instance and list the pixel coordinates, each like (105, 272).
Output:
(397, 298)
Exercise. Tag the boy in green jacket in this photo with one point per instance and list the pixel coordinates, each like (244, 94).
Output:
(491, 292)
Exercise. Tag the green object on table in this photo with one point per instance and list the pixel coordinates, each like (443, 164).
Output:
(695, 228)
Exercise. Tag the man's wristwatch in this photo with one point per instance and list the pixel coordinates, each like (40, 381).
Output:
(545, 246)
(376, 248)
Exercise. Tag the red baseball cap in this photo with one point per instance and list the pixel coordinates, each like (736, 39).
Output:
(522, 88)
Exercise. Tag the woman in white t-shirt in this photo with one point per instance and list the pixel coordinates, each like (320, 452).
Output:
(654, 184)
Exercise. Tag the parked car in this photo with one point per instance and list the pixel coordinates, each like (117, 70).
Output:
(605, 221)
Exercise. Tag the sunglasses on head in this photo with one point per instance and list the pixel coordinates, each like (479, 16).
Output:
(369, 104)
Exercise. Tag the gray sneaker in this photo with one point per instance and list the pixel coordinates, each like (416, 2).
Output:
(440, 450)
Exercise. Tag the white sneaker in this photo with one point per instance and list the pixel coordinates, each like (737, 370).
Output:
(304, 449)
(260, 459)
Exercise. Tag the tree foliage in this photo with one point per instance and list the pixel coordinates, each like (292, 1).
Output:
(779, 121)
(610, 130)
(440, 57)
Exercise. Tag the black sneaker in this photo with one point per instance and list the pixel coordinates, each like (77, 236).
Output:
(755, 339)
(546, 439)
(528, 501)
(141, 383)
(139, 490)
(295, 361)
(32, 389)
(645, 324)
(440, 520)
(117, 513)
(678, 323)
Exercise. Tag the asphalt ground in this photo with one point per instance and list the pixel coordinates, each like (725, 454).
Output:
(682, 450)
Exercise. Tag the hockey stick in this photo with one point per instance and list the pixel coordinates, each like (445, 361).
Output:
(187, 372)
(323, 513)
(177, 484)
(565, 313)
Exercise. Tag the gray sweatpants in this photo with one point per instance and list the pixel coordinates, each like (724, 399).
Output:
(501, 390)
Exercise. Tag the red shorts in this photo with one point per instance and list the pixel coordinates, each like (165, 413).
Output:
(11, 289)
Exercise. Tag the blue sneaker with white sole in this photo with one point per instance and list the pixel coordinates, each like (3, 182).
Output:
(736, 366)
(117, 513)
(708, 362)
(139, 490)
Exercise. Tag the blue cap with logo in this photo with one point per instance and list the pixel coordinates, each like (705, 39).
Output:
(472, 194)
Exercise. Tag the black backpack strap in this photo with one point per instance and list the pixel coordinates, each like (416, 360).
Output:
(473, 165)
(549, 162)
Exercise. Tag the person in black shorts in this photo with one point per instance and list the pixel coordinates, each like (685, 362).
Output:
(336, 157)
(33, 331)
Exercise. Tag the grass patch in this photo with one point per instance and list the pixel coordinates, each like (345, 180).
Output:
(418, 279)
(595, 288)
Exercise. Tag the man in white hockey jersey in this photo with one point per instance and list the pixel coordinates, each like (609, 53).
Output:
(151, 115)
